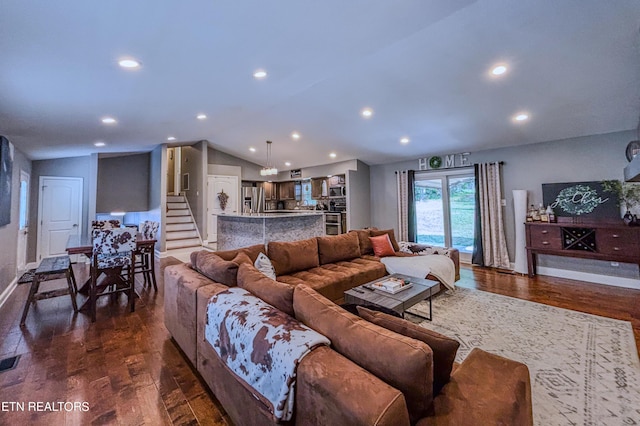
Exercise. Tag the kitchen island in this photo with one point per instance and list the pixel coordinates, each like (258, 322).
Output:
(242, 230)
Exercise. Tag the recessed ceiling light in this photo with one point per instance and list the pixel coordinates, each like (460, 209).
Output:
(201, 116)
(129, 63)
(259, 74)
(252, 149)
(499, 70)
(109, 120)
(404, 140)
(367, 112)
(523, 116)
(295, 135)
(171, 138)
(287, 163)
(333, 155)
(99, 144)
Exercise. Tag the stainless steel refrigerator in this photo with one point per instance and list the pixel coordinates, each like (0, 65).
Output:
(252, 200)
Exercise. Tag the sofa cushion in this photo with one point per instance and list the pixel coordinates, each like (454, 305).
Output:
(363, 240)
(336, 248)
(444, 348)
(276, 294)
(217, 269)
(402, 362)
(333, 279)
(382, 245)
(392, 236)
(293, 256)
(251, 251)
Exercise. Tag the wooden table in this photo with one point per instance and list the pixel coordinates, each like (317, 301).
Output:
(422, 289)
(84, 245)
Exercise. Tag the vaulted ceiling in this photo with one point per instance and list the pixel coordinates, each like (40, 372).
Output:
(423, 67)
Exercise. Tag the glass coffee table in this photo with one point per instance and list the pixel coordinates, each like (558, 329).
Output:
(420, 290)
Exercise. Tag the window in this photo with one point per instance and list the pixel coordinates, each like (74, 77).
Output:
(445, 209)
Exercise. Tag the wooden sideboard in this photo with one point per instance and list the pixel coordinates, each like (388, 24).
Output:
(609, 241)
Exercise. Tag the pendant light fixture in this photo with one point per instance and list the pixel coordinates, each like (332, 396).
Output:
(268, 170)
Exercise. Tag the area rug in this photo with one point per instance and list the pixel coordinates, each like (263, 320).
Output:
(584, 368)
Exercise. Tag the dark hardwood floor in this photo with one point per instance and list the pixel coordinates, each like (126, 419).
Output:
(130, 372)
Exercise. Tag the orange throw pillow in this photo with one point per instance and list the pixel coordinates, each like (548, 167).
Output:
(382, 246)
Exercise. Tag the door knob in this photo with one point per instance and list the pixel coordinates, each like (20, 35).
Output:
(75, 225)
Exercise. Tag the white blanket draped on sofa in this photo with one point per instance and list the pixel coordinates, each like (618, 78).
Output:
(261, 345)
(440, 266)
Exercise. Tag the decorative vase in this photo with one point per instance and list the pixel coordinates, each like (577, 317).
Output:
(627, 218)
(520, 216)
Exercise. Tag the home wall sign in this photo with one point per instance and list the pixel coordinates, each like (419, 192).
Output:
(448, 161)
(584, 199)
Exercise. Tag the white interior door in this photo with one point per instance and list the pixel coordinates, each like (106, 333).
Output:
(23, 220)
(59, 214)
(215, 185)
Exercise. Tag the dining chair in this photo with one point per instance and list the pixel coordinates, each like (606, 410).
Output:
(145, 252)
(105, 224)
(113, 253)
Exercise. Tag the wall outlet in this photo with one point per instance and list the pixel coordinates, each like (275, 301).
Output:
(503, 202)
(615, 264)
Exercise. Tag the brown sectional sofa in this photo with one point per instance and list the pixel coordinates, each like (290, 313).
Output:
(364, 377)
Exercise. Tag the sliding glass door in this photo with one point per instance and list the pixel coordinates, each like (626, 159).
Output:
(445, 209)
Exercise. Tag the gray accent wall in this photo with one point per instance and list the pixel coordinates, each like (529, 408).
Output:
(588, 158)
(123, 184)
(250, 171)
(62, 167)
(9, 232)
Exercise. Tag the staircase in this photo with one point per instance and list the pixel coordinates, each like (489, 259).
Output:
(180, 229)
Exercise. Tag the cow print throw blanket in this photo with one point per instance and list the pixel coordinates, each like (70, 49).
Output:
(261, 345)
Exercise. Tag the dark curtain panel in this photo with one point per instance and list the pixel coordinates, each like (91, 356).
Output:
(477, 258)
(411, 210)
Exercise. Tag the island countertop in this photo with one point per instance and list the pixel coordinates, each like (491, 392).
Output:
(243, 230)
(271, 215)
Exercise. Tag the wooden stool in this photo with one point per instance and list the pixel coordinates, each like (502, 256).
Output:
(48, 268)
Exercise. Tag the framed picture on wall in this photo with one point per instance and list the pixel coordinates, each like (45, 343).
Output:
(581, 199)
(185, 182)
(6, 174)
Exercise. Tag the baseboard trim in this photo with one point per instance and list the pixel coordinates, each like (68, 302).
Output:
(589, 277)
(7, 291)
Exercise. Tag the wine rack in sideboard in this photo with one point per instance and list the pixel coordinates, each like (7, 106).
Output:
(608, 241)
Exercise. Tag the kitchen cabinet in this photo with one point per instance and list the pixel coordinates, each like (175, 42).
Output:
(336, 180)
(270, 191)
(317, 185)
(286, 190)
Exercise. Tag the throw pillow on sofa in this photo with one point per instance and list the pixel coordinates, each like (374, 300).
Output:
(339, 247)
(390, 233)
(363, 240)
(263, 264)
(402, 362)
(216, 268)
(444, 348)
(288, 257)
(277, 294)
(382, 246)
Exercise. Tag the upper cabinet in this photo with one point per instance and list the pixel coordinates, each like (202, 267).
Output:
(286, 190)
(319, 188)
(337, 180)
(270, 191)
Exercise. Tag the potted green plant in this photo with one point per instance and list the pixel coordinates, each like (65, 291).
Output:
(628, 196)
